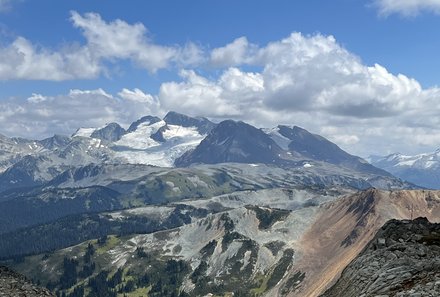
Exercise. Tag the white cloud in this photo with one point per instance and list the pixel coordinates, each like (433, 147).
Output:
(97, 92)
(407, 7)
(40, 116)
(120, 40)
(22, 60)
(36, 98)
(105, 42)
(140, 101)
(235, 53)
(226, 96)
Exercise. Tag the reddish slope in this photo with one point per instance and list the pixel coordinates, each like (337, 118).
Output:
(344, 227)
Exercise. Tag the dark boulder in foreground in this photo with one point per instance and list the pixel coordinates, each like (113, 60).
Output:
(403, 259)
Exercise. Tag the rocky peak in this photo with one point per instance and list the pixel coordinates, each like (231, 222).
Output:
(403, 259)
(146, 119)
(203, 125)
(55, 142)
(232, 141)
(111, 132)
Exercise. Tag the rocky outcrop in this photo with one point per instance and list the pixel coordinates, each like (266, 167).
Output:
(403, 259)
(13, 284)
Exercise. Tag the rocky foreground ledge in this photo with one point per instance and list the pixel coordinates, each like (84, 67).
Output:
(13, 284)
(402, 260)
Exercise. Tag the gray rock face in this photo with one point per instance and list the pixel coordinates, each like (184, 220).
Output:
(234, 141)
(203, 125)
(146, 119)
(402, 260)
(14, 285)
(111, 132)
(55, 142)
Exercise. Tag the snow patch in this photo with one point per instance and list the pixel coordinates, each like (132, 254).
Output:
(279, 139)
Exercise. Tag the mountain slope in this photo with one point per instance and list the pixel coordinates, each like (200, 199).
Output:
(203, 125)
(239, 142)
(232, 141)
(403, 259)
(14, 284)
(37, 169)
(13, 149)
(254, 249)
(315, 147)
(159, 142)
(111, 132)
(149, 120)
(55, 142)
(345, 226)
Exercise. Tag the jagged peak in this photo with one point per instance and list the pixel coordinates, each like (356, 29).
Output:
(145, 119)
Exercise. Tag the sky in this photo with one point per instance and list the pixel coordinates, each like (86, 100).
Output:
(363, 73)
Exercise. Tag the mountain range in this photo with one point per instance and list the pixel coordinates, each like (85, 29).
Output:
(175, 140)
(182, 206)
(421, 169)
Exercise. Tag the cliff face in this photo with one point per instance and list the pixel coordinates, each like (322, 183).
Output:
(13, 284)
(403, 259)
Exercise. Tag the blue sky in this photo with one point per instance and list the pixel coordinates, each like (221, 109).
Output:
(177, 57)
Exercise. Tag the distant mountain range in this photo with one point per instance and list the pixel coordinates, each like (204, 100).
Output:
(175, 140)
(422, 169)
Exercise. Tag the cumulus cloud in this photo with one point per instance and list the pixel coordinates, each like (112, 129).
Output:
(407, 7)
(140, 102)
(226, 96)
(23, 60)
(40, 116)
(105, 42)
(238, 52)
(120, 40)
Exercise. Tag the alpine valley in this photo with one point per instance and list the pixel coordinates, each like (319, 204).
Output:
(182, 206)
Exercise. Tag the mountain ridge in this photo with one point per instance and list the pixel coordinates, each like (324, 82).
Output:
(176, 140)
(421, 169)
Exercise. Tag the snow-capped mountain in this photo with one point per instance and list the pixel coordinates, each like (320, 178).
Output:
(422, 169)
(13, 149)
(179, 140)
(151, 140)
(44, 165)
